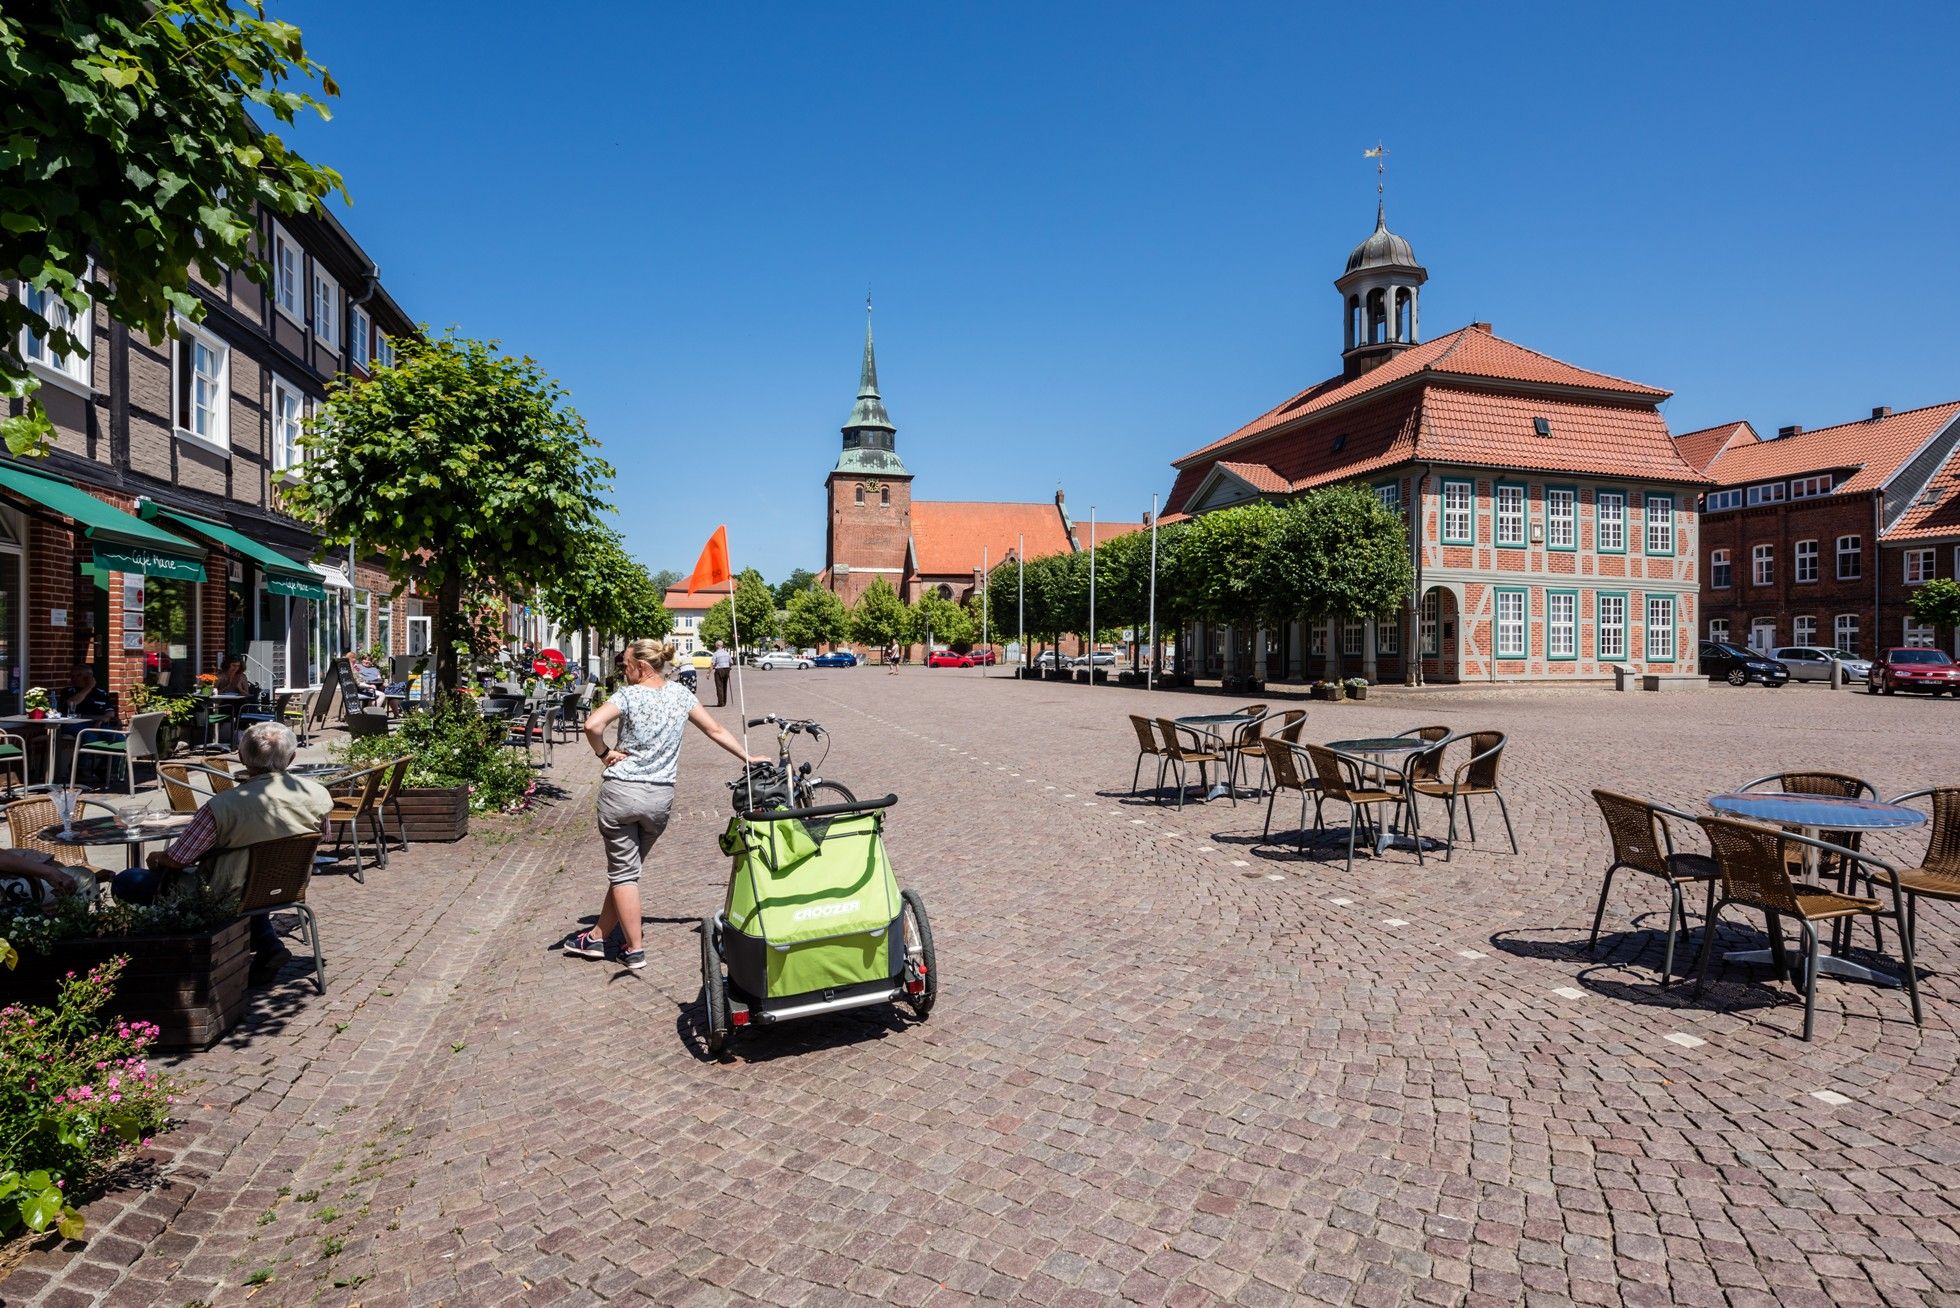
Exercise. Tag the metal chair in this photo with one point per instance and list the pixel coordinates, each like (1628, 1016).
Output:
(183, 796)
(1476, 775)
(276, 876)
(1938, 873)
(137, 744)
(1147, 747)
(566, 719)
(1343, 778)
(1177, 757)
(1833, 785)
(1248, 746)
(1755, 866)
(1283, 772)
(391, 797)
(1642, 843)
(13, 756)
(354, 802)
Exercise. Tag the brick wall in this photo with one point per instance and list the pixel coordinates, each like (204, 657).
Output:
(868, 535)
(1781, 527)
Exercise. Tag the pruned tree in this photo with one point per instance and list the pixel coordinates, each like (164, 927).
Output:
(879, 616)
(1937, 603)
(814, 617)
(940, 621)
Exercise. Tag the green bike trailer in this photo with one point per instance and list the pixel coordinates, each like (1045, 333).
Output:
(813, 923)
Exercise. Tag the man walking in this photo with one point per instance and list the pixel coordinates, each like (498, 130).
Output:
(723, 662)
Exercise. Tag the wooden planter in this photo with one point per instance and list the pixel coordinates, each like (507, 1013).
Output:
(1357, 692)
(440, 813)
(1334, 694)
(192, 987)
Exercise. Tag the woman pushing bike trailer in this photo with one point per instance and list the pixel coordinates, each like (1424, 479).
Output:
(814, 922)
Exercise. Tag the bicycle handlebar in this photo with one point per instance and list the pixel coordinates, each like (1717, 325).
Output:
(789, 725)
(821, 811)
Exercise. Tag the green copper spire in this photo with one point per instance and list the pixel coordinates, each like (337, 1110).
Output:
(869, 446)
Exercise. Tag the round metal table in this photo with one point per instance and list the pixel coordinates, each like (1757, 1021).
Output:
(131, 835)
(1206, 724)
(1380, 747)
(1813, 815)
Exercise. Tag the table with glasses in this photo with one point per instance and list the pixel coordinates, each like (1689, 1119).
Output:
(1208, 725)
(131, 833)
(1813, 815)
(1381, 749)
(51, 723)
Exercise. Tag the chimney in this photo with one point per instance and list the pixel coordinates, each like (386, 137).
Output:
(1483, 327)
(1882, 411)
(1146, 517)
(1782, 432)
(1058, 497)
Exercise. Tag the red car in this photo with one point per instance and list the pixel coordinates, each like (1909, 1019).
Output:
(984, 658)
(945, 658)
(1929, 670)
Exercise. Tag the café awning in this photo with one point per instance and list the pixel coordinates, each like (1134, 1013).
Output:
(122, 542)
(283, 576)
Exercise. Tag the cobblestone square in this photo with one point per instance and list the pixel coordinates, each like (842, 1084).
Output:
(1171, 1063)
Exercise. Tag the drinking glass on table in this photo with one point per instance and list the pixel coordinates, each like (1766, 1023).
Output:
(65, 800)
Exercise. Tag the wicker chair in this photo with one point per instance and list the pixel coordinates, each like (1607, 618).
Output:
(353, 803)
(391, 798)
(1476, 775)
(177, 787)
(1147, 747)
(1342, 778)
(1833, 785)
(1642, 843)
(1938, 873)
(1249, 745)
(27, 818)
(1177, 756)
(1755, 866)
(1283, 772)
(1428, 765)
(276, 876)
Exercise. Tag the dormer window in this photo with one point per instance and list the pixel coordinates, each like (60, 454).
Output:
(1340, 442)
(1541, 426)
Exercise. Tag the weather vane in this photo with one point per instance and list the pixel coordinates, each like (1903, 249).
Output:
(1380, 155)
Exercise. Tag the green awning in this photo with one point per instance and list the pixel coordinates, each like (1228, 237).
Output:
(123, 542)
(283, 576)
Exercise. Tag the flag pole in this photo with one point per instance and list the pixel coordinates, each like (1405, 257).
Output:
(1150, 676)
(1092, 594)
(1021, 597)
(984, 642)
(741, 697)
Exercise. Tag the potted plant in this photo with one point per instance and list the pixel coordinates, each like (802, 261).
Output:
(457, 766)
(35, 702)
(1356, 687)
(207, 684)
(1332, 691)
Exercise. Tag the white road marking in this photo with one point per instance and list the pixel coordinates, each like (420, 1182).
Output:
(1685, 1040)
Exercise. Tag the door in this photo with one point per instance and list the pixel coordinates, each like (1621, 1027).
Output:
(1762, 635)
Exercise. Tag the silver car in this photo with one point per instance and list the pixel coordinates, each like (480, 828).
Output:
(1813, 663)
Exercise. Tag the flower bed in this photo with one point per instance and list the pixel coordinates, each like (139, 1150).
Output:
(454, 746)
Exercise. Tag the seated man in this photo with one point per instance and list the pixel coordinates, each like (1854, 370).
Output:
(270, 804)
(82, 697)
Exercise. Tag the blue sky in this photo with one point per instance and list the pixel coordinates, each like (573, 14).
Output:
(1100, 236)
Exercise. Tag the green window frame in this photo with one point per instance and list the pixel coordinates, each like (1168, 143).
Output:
(1522, 650)
(1499, 493)
(1606, 493)
(1468, 510)
(1663, 651)
(1647, 525)
(1551, 625)
(1570, 518)
(1600, 625)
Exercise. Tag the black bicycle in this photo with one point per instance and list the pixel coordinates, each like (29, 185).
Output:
(810, 790)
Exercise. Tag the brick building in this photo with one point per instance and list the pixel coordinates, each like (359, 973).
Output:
(874, 528)
(1819, 537)
(151, 541)
(1552, 522)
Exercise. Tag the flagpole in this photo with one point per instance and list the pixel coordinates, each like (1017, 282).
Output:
(1021, 598)
(984, 642)
(1150, 677)
(1092, 594)
(741, 697)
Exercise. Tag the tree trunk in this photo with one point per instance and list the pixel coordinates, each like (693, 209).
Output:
(449, 630)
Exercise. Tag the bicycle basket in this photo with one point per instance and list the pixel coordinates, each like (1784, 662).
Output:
(761, 785)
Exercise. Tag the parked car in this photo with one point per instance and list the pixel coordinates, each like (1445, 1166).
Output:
(1102, 659)
(780, 658)
(702, 658)
(1721, 661)
(945, 658)
(984, 657)
(1813, 663)
(1045, 660)
(837, 658)
(1929, 670)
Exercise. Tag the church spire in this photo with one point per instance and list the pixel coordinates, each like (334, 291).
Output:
(869, 436)
(869, 411)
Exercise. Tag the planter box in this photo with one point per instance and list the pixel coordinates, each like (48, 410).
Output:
(439, 813)
(1333, 694)
(1362, 693)
(192, 987)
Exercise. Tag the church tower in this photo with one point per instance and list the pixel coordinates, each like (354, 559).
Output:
(1379, 298)
(869, 517)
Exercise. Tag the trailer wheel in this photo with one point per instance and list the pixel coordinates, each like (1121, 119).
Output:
(921, 965)
(714, 991)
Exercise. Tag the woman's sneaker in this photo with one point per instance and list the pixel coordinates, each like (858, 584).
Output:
(585, 944)
(632, 959)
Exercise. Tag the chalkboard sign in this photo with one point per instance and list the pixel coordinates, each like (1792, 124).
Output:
(339, 684)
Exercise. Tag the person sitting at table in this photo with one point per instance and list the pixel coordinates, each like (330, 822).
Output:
(232, 680)
(270, 804)
(82, 697)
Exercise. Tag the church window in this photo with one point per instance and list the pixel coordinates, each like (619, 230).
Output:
(885, 497)
(860, 494)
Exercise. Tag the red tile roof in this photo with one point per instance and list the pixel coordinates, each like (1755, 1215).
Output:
(948, 535)
(1259, 476)
(1876, 447)
(1934, 512)
(678, 600)
(1472, 351)
(1107, 531)
(1701, 448)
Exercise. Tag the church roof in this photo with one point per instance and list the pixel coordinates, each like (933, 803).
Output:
(949, 535)
(1701, 448)
(869, 411)
(1876, 447)
(1382, 249)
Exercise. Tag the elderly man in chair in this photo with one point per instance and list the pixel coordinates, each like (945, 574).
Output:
(270, 804)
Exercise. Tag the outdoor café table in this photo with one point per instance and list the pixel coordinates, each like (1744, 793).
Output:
(49, 723)
(1380, 748)
(324, 773)
(1207, 725)
(131, 835)
(1813, 815)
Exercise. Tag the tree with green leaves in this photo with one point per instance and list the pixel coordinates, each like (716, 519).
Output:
(459, 462)
(879, 617)
(940, 621)
(665, 579)
(798, 579)
(715, 628)
(754, 614)
(1349, 554)
(131, 152)
(1938, 604)
(814, 617)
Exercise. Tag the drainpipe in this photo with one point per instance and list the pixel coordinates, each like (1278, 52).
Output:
(1412, 659)
(1878, 572)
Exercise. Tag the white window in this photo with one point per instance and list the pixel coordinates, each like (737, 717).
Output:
(326, 309)
(1720, 571)
(1770, 493)
(288, 275)
(203, 385)
(1432, 620)
(1660, 524)
(1919, 567)
(384, 631)
(1510, 624)
(1806, 565)
(1660, 628)
(1510, 515)
(1390, 495)
(384, 349)
(1762, 565)
(1804, 488)
(1718, 630)
(1919, 635)
(1561, 624)
(288, 425)
(1456, 512)
(1610, 522)
(1561, 519)
(1803, 629)
(1388, 635)
(1611, 612)
(40, 350)
(1351, 637)
(1851, 558)
(1724, 499)
(1844, 632)
(358, 340)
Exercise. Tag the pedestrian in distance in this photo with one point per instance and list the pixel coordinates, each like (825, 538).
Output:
(636, 794)
(723, 663)
(891, 657)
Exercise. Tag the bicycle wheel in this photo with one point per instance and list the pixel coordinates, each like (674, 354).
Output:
(822, 792)
(921, 965)
(714, 991)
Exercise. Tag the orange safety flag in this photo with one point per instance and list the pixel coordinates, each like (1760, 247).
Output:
(711, 569)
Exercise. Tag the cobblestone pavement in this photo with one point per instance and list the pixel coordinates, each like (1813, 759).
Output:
(1170, 1064)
